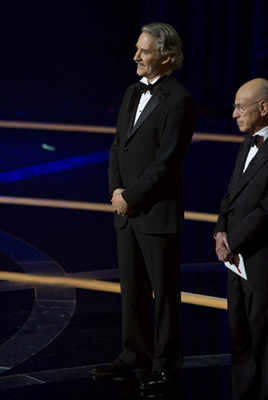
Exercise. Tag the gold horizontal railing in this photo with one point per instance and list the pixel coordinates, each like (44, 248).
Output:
(113, 287)
(46, 126)
(198, 136)
(80, 205)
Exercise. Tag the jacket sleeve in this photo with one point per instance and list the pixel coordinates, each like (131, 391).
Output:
(221, 225)
(115, 179)
(222, 222)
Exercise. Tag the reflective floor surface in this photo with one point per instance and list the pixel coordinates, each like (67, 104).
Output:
(52, 335)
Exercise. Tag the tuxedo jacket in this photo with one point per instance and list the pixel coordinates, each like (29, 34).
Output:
(146, 159)
(244, 215)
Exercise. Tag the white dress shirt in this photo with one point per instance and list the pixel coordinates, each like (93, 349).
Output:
(145, 97)
(254, 149)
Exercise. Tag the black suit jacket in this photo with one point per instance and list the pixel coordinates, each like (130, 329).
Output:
(244, 216)
(147, 159)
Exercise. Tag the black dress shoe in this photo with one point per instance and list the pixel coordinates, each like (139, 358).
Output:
(156, 380)
(118, 367)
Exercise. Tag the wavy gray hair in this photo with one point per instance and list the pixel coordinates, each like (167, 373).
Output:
(168, 42)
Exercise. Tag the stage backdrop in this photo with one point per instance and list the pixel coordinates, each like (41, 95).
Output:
(71, 60)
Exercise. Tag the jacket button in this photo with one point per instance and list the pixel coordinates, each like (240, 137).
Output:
(125, 148)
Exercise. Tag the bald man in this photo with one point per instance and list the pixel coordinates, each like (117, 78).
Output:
(242, 228)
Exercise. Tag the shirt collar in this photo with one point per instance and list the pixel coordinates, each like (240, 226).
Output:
(263, 132)
(144, 80)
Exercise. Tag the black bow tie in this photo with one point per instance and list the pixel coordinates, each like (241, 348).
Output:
(253, 140)
(143, 88)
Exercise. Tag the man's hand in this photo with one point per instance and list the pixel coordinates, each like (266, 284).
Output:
(118, 202)
(222, 248)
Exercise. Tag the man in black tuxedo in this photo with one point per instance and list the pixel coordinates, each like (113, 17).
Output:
(155, 126)
(242, 228)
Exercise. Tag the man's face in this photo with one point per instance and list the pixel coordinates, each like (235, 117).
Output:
(149, 63)
(248, 119)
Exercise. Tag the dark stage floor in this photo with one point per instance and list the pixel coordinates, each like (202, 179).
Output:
(51, 335)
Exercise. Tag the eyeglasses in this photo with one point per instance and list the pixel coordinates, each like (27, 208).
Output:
(241, 108)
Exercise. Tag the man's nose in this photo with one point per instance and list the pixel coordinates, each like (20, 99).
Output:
(235, 113)
(137, 55)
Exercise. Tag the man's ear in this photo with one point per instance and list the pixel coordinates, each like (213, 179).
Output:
(264, 107)
(166, 60)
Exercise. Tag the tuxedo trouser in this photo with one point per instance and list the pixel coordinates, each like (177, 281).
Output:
(248, 324)
(151, 329)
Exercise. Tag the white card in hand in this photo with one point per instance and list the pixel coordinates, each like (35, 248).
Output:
(238, 267)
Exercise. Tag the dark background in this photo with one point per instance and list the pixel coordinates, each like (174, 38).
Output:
(70, 62)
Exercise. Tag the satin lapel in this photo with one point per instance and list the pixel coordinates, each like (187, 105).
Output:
(150, 106)
(159, 96)
(133, 104)
(239, 166)
(253, 167)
